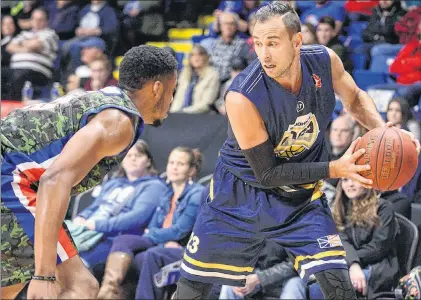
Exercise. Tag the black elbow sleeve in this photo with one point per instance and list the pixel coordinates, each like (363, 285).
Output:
(270, 173)
(261, 158)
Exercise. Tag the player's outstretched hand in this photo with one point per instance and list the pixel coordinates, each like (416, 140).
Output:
(345, 167)
(411, 136)
(39, 289)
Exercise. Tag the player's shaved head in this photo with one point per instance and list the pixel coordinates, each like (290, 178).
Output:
(283, 10)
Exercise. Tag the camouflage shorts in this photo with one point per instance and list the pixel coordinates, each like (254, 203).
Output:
(17, 251)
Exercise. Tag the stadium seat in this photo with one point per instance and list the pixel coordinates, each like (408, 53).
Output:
(183, 33)
(366, 78)
(356, 28)
(407, 242)
(198, 38)
(117, 61)
(380, 63)
(180, 59)
(177, 46)
(204, 21)
(359, 61)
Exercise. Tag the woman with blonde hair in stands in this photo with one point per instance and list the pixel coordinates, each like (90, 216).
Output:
(198, 84)
(367, 229)
(170, 226)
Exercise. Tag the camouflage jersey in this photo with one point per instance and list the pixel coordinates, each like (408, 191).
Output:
(39, 132)
(31, 139)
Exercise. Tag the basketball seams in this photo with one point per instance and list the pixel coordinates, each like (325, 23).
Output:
(402, 158)
(377, 160)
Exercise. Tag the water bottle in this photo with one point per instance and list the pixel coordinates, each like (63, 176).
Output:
(27, 91)
(55, 91)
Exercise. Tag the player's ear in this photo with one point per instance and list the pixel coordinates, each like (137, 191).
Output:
(158, 89)
(298, 40)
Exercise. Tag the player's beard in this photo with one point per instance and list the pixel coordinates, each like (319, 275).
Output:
(159, 107)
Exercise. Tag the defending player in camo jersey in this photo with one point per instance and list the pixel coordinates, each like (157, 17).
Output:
(53, 150)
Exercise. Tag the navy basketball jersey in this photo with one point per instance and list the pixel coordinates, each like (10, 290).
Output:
(295, 124)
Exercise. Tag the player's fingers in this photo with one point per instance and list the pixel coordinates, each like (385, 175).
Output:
(367, 183)
(357, 154)
(362, 168)
(389, 124)
(352, 146)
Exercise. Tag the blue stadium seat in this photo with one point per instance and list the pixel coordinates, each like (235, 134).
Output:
(359, 61)
(356, 28)
(365, 78)
(196, 39)
(379, 63)
(179, 56)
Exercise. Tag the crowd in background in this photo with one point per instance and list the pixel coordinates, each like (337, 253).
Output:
(140, 218)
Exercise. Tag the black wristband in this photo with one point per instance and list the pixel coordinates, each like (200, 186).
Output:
(44, 278)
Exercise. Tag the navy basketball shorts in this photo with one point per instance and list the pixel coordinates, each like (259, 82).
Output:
(237, 220)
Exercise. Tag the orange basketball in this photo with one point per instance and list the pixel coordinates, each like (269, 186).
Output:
(392, 156)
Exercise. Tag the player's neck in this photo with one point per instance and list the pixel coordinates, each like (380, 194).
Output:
(292, 79)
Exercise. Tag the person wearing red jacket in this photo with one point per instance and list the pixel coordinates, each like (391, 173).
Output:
(407, 64)
(363, 7)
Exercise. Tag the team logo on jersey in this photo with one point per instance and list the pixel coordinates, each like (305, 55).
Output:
(299, 137)
(317, 81)
(300, 106)
(329, 241)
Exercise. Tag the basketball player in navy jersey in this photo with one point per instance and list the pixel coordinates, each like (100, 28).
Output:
(266, 184)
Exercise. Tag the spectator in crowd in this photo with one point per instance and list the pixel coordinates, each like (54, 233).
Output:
(326, 35)
(23, 12)
(407, 65)
(33, 55)
(408, 27)
(95, 20)
(198, 84)
(341, 135)
(73, 84)
(227, 46)
(244, 9)
(413, 187)
(399, 113)
(274, 277)
(308, 31)
(368, 230)
(63, 18)
(237, 66)
(100, 75)
(401, 203)
(183, 13)
(150, 262)
(123, 204)
(91, 50)
(141, 22)
(380, 32)
(9, 29)
(251, 23)
(172, 221)
(358, 10)
(325, 8)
